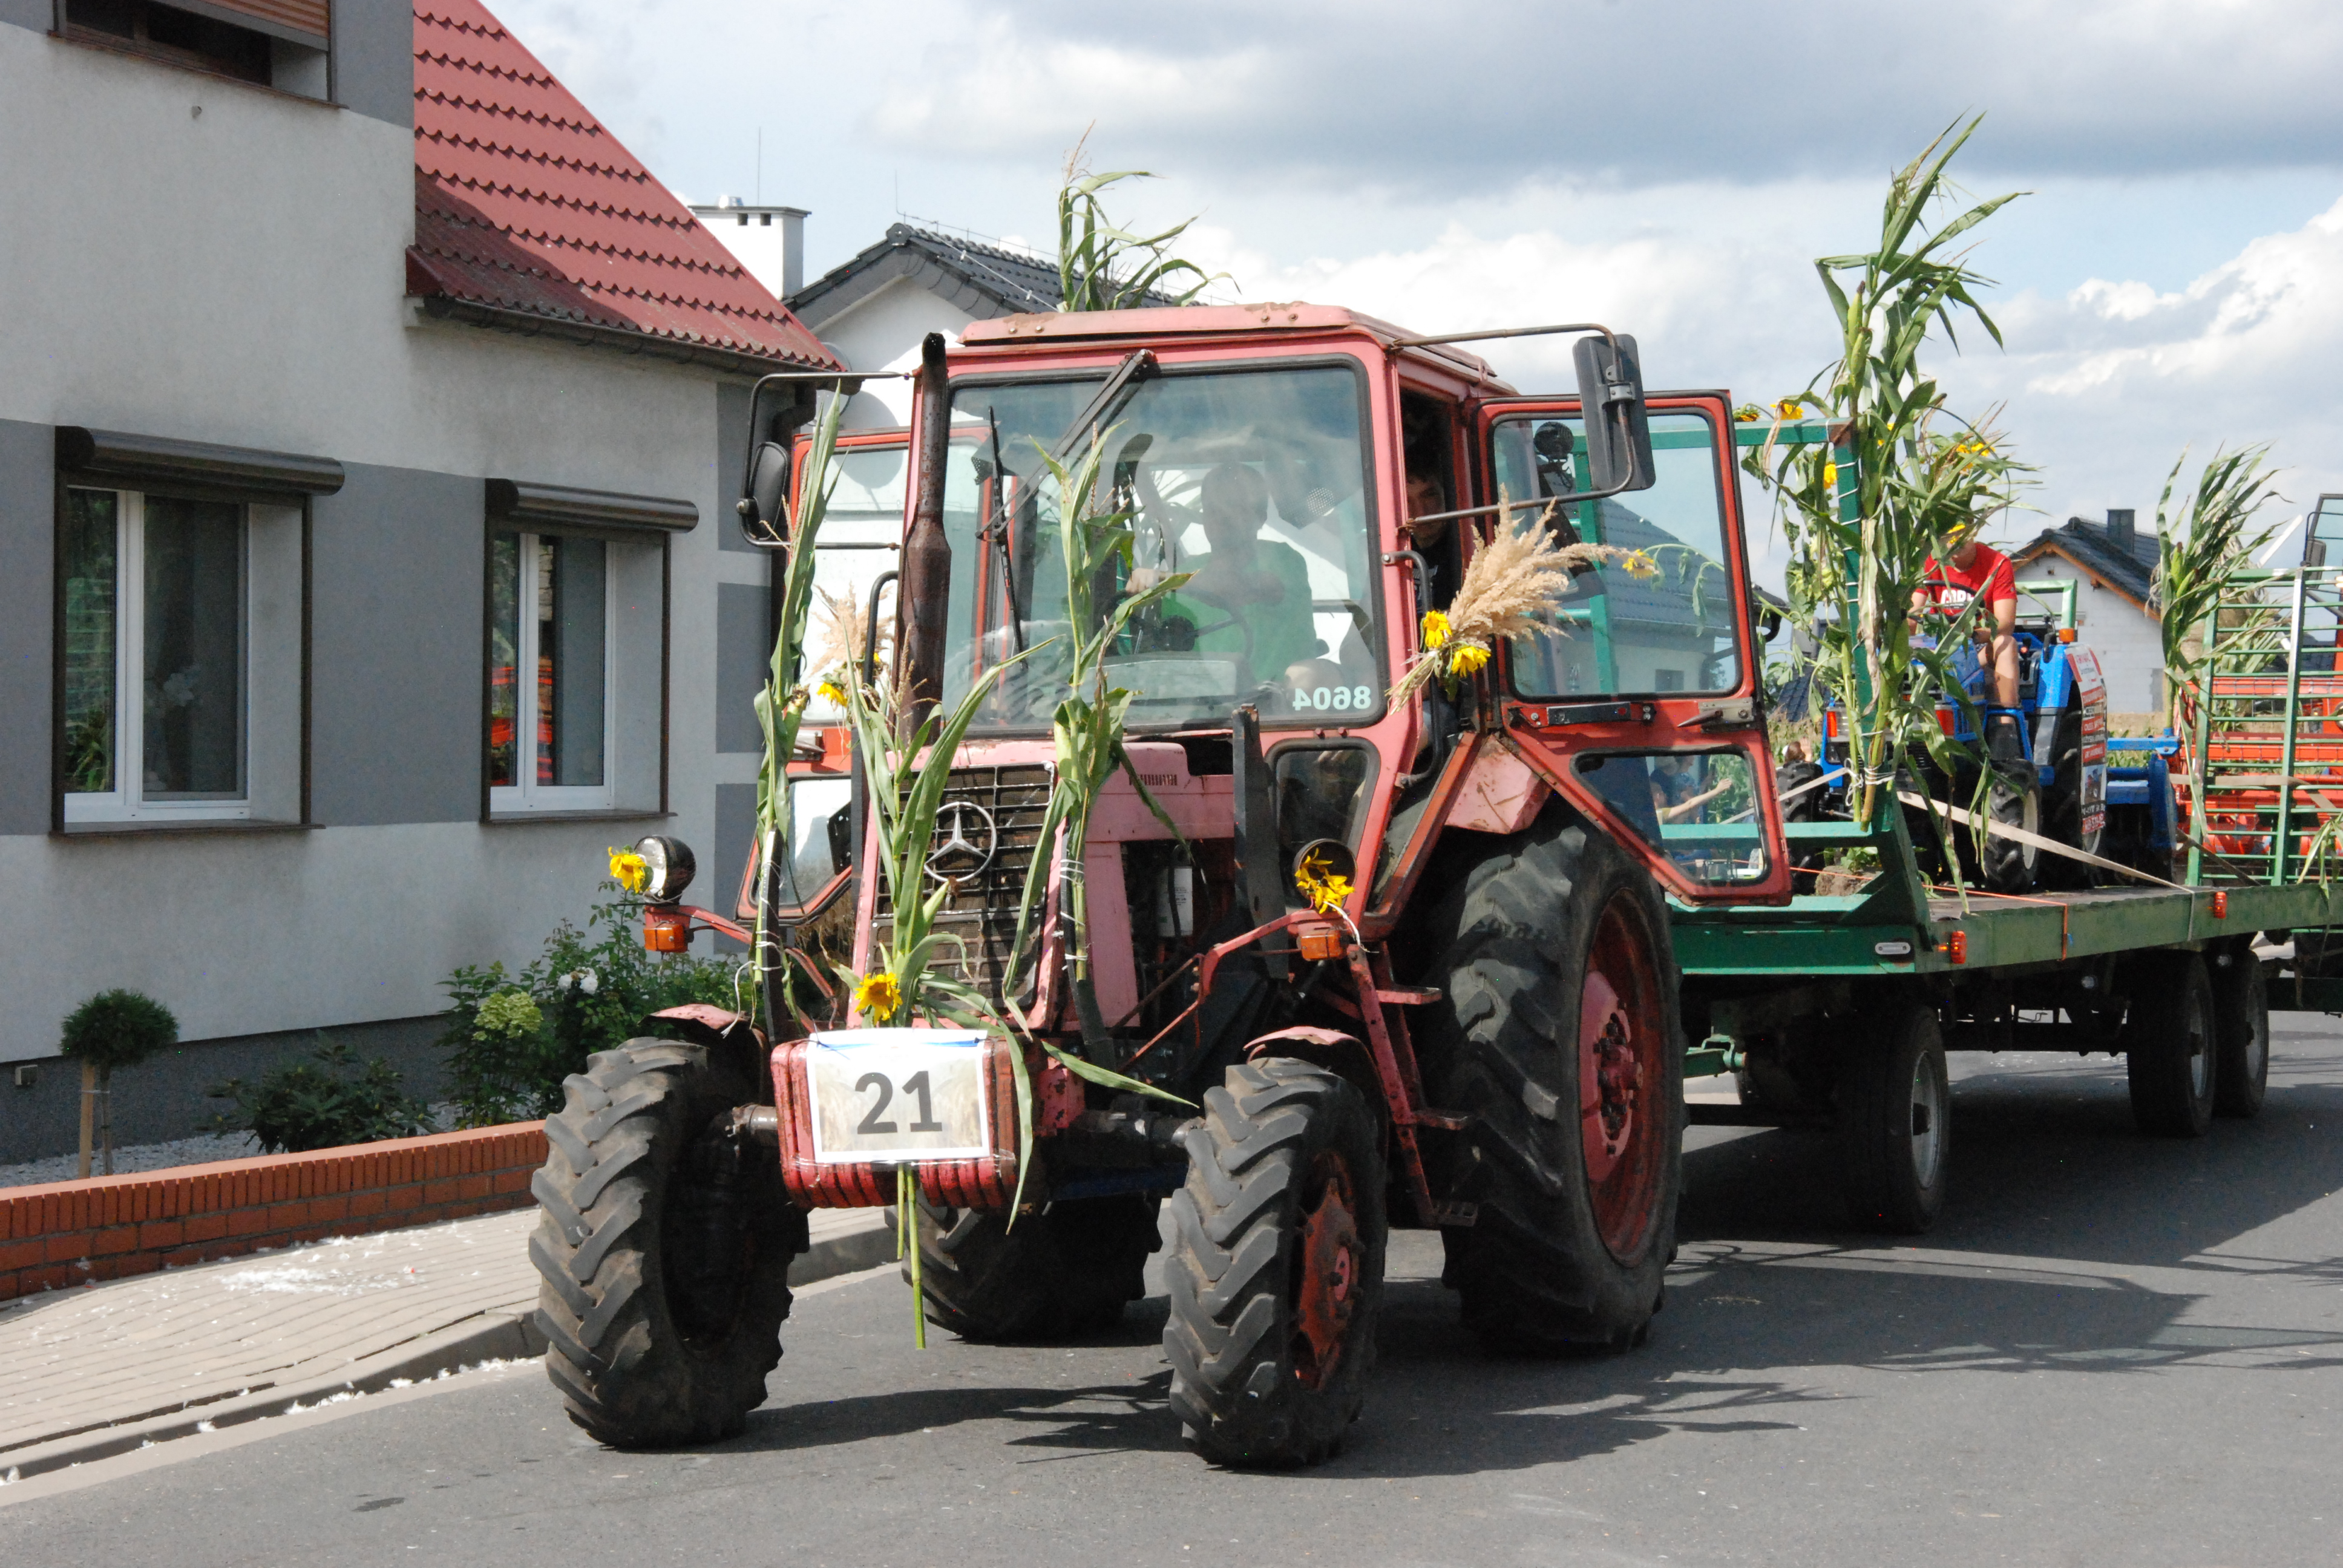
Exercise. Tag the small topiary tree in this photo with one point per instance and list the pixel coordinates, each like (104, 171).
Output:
(112, 1029)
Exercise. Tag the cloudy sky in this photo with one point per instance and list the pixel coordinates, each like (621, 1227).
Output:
(2173, 279)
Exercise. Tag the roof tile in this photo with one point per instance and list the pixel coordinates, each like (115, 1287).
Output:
(524, 202)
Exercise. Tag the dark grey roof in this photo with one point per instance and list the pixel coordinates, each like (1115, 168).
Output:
(985, 280)
(2097, 548)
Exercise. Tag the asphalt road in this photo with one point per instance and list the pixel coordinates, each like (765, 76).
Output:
(2114, 1350)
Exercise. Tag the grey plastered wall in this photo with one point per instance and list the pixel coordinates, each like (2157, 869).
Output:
(29, 532)
(736, 824)
(398, 559)
(38, 14)
(164, 1099)
(731, 461)
(742, 616)
(374, 59)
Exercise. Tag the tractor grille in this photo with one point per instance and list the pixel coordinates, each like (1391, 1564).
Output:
(1002, 807)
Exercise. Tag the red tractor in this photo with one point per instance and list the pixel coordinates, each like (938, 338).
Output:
(1481, 1036)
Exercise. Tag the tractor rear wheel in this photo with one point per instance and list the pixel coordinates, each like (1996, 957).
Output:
(2170, 1042)
(2062, 807)
(1276, 1270)
(2013, 799)
(1067, 1270)
(1558, 1034)
(664, 1246)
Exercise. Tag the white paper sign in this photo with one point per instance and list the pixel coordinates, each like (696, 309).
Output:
(898, 1094)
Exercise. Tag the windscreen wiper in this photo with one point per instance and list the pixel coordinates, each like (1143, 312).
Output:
(996, 531)
(1119, 386)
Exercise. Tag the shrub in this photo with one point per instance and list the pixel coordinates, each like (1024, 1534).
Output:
(513, 1037)
(112, 1029)
(335, 1102)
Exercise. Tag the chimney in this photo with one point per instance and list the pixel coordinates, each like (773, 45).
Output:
(2119, 528)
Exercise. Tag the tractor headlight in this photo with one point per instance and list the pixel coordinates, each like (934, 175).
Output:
(667, 868)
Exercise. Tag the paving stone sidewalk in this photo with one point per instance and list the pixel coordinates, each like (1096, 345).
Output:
(112, 1367)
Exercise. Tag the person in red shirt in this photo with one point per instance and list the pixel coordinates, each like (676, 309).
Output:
(1976, 570)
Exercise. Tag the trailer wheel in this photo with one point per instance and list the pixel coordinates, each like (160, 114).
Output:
(1559, 1036)
(664, 1247)
(1895, 1120)
(2170, 1045)
(1276, 1273)
(1066, 1270)
(2240, 1033)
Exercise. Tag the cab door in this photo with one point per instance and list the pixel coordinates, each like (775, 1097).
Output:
(1643, 705)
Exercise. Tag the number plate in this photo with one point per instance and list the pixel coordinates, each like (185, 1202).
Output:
(883, 1094)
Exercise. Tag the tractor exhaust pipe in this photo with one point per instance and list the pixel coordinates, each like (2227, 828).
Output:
(925, 582)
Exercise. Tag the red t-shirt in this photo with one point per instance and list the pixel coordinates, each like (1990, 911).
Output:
(1988, 575)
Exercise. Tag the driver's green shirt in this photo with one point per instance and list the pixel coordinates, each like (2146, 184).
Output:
(1284, 631)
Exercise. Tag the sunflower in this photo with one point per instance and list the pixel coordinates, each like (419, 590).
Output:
(630, 870)
(878, 995)
(1435, 628)
(1316, 878)
(1466, 659)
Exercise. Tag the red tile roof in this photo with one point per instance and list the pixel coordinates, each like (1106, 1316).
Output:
(525, 205)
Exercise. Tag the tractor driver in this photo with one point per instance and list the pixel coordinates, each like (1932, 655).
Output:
(1977, 570)
(1249, 594)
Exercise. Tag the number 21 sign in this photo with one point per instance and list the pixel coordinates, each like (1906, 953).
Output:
(897, 1093)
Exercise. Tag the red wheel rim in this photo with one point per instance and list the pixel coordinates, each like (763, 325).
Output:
(1620, 1074)
(1328, 1264)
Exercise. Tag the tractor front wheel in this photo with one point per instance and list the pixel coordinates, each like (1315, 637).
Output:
(1276, 1271)
(664, 1246)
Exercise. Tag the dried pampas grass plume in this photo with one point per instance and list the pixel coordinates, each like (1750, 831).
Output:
(840, 630)
(1515, 581)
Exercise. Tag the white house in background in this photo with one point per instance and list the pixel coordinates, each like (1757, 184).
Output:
(769, 241)
(2115, 566)
(364, 509)
(874, 310)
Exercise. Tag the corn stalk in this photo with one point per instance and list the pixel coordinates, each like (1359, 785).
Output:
(1919, 474)
(1087, 726)
(2194, 569)
(1103, 266)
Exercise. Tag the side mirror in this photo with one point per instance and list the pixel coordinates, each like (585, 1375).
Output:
(769, 482)
(1618, 429)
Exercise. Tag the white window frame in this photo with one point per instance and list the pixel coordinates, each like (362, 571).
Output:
(527, 795)
(126, 801)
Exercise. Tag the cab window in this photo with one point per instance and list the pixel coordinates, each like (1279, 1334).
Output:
(1250, 481)
(1659, 623)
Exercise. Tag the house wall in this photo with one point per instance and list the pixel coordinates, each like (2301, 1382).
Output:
(2128, 643)
(883, 332)
(237, 277)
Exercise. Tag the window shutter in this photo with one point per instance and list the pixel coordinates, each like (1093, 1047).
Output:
(299, 21)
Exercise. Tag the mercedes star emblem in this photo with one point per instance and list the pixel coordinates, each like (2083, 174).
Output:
(966, 840)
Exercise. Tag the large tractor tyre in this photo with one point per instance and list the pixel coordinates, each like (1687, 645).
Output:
(2240, 1033)
(1559, 1035)
(1064, 1271)
(1895, 1118)
(2013, 799)
(1801, 802)
(2062, 807)
(664, 1244)
(1276, 1268)
(2170, 1042)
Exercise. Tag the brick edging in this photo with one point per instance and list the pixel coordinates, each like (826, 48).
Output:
(71, 1232)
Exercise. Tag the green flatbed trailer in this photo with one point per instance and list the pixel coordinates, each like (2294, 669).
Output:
(1835, 1011)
